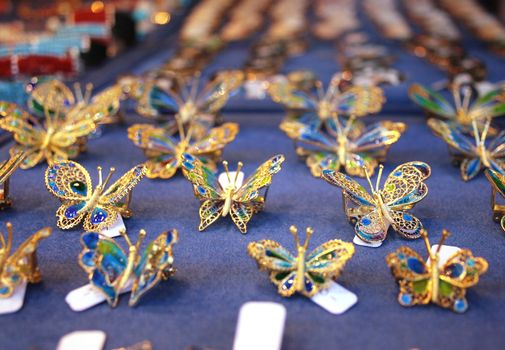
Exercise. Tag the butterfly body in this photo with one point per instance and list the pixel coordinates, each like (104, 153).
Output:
(442, 284)
(307, 273)
(21, 265)
(473, 153)
(110, 269)
(374, 213)
(241, 202)
(98, 207)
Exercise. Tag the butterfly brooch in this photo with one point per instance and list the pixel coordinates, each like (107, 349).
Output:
(110, 270)
(99, 207)
(164, 149)
(62, 133)
(21, 265)
(169, 94)
(490, 104)
(471, 151)
(497, 181)
(307, 273)
(224, 195)
(374, 213)
(442, 283)
(6, 169)
(342, 146)
(355, 100)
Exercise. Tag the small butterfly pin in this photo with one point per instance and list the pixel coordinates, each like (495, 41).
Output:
(164, 149)
(474, 154)
(21, 265)
(6, 169)
(98, 207)
(355, 100)
(497, 181)
(307, 273)
(374, 213)
(347, 147)
(240, 201)
(490, 104)
(110, 269)
(445, 285)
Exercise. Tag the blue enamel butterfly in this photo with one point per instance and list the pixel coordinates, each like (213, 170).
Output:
(111, 270)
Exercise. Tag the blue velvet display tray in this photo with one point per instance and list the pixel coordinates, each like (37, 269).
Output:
(215, 276)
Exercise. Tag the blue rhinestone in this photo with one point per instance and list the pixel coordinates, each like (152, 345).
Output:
(407, 217)
(90, 240)
(398, 173)
(4, 290)
(71, 212)
(405, 299)
(415, 265)
(470, 263)
(98, 216)
(460, 305)
(308, 285)
(401, 256)
(366, 221)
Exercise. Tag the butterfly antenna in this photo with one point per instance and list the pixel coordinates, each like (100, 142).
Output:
(100, 177)
(379, 175)
(294, 232)
(239, 166)
(339, 125)
(142, 235)
(111, 171)
(194, 87)
(467, 93)
(475, 132)
(225, 165)
(78, 92)
(424, 234)
(445, 234)
(87, 94)
(308, 233)
(457, 97)
(350, 121)
(367, 175)
(180, 127)
(122, 232)
(320, 92)
(485, 131)
(6, 247)
(187, 138)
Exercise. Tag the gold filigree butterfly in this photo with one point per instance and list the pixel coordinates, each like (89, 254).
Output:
(241, 202)
(164, 149)
(374, 213)
(20, 265)
(6, 169)
(307, 273)
(445, 285)
(98, 207)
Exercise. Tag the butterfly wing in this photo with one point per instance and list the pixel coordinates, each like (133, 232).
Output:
(405, 186)
(413, 276)
(318, 161)
(260, 178)
(489, 105)
(378, 136)
(325, 263)
(216, 94)
(355, 191)
(50, 95)
(278, 261)
(154, 264)
(406, 224)
(497, 180)
(216, 139)
(307, 134)
(241, 213)
(22, 264)
(358, 101)
(431, 101)
(102, 106)
(105, 262)
(372, 227)
(284, 92)
(26, 130)
(10, 165)
(453, 136)
(459, 272)
(124, 185)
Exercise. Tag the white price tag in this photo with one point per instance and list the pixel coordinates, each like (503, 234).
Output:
(359, 241)
(255, 89)
(223, 179)
(15, 302)
(445, 253)
(87, 296)
(260, 326)
(116, 227)
(82, 340)
(335, 299)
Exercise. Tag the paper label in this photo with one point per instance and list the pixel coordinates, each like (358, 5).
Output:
(255, 89)
(82, 340)
(15, 302)
(223, 179)
(260, 326)
(87, 296)
(114, 230)
(335, 299)
(359, 241)
(445, 253)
